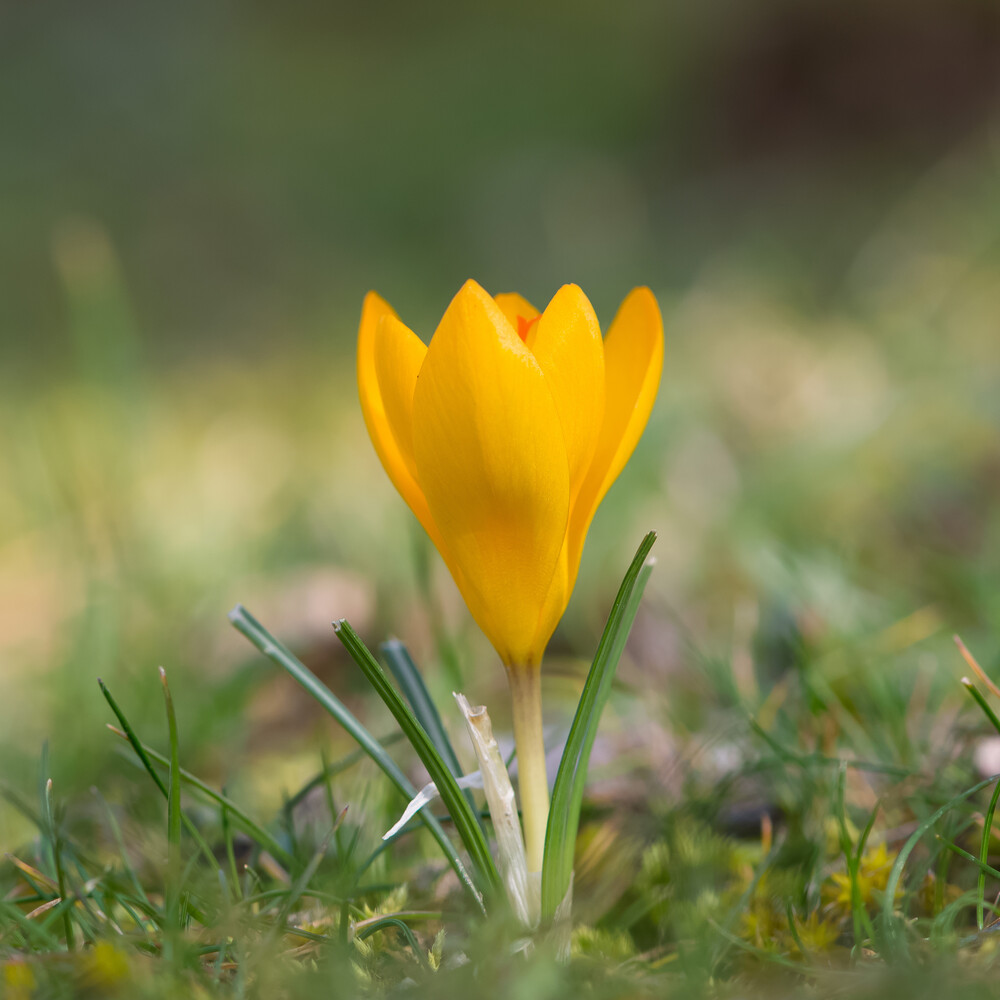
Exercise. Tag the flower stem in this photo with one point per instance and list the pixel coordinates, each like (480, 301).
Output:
(526, 698)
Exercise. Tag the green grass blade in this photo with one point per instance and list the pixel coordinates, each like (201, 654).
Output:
(766, 957)
(143, 753)
(739, 908)
(173, 894)
(411, 683)
(401, 664)
(31, 929)
(51, 833)
(807, 760)
(132, 738)
(278, 653)
(465, 820)
(980, 700)
(894, 945)
(174, 788)
(116, 831)
(254, 829)
(984, 853)
(301, 884)
(227, 838)
(14, 799)
(567, 793)
(983, 867)
(383, 923)
(866, 832)
(852, 859)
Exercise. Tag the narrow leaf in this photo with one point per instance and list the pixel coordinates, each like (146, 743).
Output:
(981, 701)
(173, 814)
(255, 830)
(567, 793)
(52, 834)
(984, 853)
(143, 752)
(411, 683)
(462, 815)
(894, 944)
(277, 652)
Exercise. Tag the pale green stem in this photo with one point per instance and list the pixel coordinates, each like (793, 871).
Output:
(526, 699)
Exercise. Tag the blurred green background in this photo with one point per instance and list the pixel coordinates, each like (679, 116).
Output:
(195, 198)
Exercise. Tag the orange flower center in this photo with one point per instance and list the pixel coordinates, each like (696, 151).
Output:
(524, 326)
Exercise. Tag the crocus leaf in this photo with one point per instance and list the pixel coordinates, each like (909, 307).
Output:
(401, 664)
(410, 682)
(461, 814)
(567, 793)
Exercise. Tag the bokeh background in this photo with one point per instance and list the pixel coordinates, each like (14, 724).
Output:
(194, 198)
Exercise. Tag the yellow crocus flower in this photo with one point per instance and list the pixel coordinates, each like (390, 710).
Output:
(503, 436)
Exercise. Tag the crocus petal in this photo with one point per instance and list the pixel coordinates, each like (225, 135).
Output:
(633, 361)
(372, 311)
(399, 353)
(567, 345)
(517, 309)
(387, 447)
(492, 463)
(560, 591)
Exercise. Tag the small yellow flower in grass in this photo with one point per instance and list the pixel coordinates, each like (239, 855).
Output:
(503, 435)
(817, 934)
(873, 878)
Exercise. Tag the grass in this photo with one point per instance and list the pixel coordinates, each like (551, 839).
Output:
(855, 878)
(790, 792)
